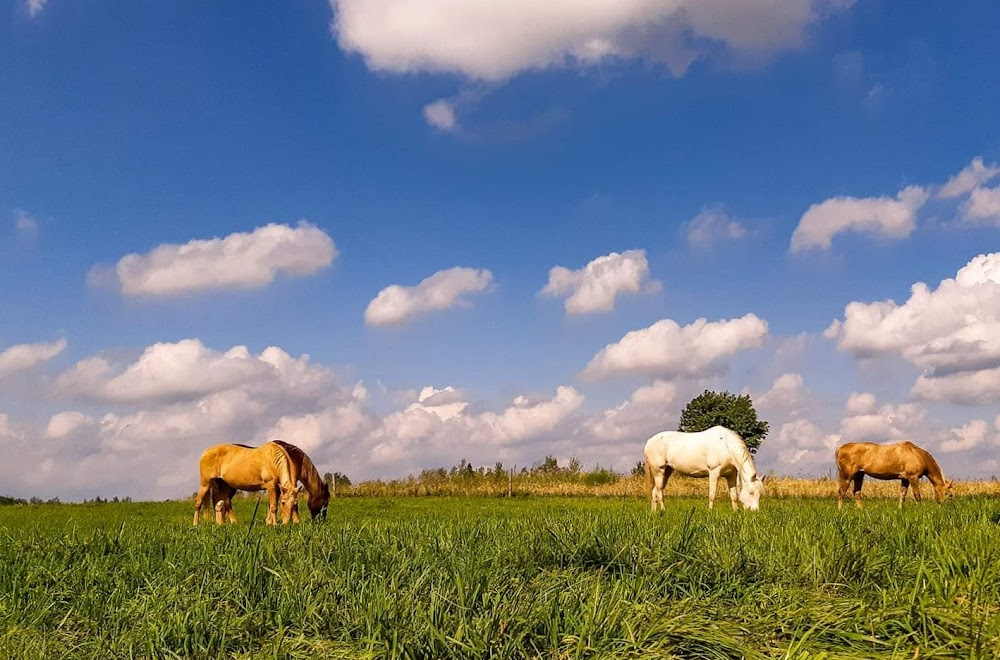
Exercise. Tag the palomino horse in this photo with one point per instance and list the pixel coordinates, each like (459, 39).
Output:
(319, 491)
(903, 460)
(268, 467)
(713, 453)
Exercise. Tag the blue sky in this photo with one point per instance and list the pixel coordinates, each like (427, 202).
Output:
(277, 171)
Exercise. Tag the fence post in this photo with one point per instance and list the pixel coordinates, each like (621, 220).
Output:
(333, 491)
(510, 482)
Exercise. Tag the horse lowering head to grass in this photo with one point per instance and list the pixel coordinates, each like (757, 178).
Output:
(714, 453)
(902, 460)
(319, 491)
(227, 468)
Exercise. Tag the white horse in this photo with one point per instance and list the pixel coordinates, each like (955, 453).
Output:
(713, 453)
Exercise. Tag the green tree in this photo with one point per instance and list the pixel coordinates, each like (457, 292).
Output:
(724, 409)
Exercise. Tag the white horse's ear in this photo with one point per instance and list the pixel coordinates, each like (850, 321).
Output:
(763, 478)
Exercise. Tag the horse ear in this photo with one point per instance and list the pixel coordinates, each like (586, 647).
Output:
(763, 478)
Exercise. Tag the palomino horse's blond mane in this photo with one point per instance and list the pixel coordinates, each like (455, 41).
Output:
(239, 467)
(319, 491)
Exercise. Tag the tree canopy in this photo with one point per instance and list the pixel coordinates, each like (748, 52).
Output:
(737, 413)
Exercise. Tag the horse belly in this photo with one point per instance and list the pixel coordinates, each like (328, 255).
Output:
(690, 468)
(241, 480)
(880, 474)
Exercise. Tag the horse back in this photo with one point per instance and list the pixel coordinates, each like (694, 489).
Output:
(881, 461)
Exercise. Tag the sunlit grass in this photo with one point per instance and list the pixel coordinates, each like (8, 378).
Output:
(525, 577)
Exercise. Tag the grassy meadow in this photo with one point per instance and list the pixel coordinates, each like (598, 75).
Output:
(525, 577)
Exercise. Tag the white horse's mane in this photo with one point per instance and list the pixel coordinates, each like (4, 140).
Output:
(738, 450)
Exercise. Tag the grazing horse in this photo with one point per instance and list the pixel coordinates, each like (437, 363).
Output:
(713, 453)
(268, 467)
(319, 491)
(902, 460)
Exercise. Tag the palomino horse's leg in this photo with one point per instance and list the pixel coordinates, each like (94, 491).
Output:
(713, 479)
(844, 482)
(272, 505)
(903, 485)
(733, 495)
(199, 499)
(915, 484)
(859, 480)
(226, 494)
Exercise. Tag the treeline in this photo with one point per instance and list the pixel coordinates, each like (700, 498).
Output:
(464, 478)
(14, 501)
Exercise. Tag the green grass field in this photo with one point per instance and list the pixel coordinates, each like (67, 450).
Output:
(498, 578)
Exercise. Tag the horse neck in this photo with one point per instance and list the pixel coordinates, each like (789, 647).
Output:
(748, 471)
(741, 457)
(934, 473)
(287, 474)
(310, 476)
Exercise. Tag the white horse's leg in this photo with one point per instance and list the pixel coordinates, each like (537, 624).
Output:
(713, 478)
(656, 495)
(733, 494)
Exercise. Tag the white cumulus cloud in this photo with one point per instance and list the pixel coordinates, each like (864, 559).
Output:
(866, 421)
(711, 226)
(188, 370)
(496, 40)
(22, 357)
(970, 178)
(951, 333)
(596, 286)
(63, 423)
(441, 114)
(649, 409)
(665, 349)
(238, 261)
(35, 7)
(983, 206)
(444, 289)
(878, 216)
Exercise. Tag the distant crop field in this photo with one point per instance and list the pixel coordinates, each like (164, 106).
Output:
(525, 577)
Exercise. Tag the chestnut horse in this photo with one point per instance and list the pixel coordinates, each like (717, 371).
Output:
(268, 467)
(319, 491)
(713, 453)
(902, 460)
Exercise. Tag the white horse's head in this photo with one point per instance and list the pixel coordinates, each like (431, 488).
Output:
(750, 492)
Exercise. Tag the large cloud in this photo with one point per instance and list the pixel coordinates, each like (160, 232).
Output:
(496, 40)
(596, 286)
(878, 216)
(440, 426)
(397, 304)
(648, 410)
(143, 423)
(866, 421)
(238, 261)
(667, 350)
(187, 370)
(952, 333)
(22, 357)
